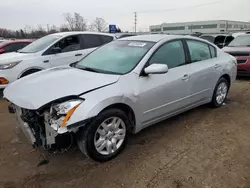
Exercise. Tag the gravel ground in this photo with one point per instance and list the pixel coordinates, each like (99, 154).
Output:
(203, 148)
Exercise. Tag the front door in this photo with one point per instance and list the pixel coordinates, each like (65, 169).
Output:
(70, 52)
(162, 95)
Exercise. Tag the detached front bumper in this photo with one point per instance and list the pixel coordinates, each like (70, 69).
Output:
(40, 133)
(35, 129)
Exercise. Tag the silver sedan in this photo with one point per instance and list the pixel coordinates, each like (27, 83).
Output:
(122, 87)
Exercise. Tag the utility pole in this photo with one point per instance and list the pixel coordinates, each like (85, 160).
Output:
(135, 21)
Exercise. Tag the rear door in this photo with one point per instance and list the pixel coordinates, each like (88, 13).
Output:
(204, 70)
(92, 41)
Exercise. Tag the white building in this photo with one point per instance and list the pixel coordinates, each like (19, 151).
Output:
(214, 26)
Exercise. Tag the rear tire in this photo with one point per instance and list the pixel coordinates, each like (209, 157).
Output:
(220, 93)
(105, 137)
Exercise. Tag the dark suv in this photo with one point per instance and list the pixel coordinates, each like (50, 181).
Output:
(240, 48)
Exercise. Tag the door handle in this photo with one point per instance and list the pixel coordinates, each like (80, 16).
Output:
(216, 66)
(78, 54)
(46, 61)
(185, 77)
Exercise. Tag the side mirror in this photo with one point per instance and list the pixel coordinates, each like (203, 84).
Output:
(73, 64)
(2, 51)
(156, 69)
(56, 50)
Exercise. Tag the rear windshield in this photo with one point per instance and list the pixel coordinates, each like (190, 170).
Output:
(242, 40)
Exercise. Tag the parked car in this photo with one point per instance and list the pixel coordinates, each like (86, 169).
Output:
(240, 49)
(220, 40)
(13, 45)
(124, 86)
(50, 51)
(1, 40)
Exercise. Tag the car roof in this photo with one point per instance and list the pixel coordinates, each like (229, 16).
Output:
(7, 42)
(65, 34)
(157, 37)
(215, 35)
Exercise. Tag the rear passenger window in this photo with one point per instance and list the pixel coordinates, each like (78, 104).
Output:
(199, 51)
(106, 39)
(91, 41)
(171, 54)
(213, 51)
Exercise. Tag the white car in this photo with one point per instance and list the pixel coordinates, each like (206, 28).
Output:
(124, 86)
(50, 51)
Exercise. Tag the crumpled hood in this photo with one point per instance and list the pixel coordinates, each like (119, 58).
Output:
(14, 56)
(36, 90)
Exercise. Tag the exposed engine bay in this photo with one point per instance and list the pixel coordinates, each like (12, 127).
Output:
(45, 128)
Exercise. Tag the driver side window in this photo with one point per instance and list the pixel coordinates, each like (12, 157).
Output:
(68, 44)
(171, 54)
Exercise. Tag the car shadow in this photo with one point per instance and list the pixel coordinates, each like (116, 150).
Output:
(1, 93)
(243, 78)
(142, 140)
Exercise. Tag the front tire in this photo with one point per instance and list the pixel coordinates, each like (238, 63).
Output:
(220, 93)
(105, 137)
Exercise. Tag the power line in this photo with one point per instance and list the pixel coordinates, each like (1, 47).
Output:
(172, 9)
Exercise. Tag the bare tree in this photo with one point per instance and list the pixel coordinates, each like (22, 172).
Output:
(76, 22)
(100, 25)
(80, 23)
(64, 28)
(70, 21)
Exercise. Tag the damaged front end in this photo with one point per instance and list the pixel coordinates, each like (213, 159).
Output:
(47, 127)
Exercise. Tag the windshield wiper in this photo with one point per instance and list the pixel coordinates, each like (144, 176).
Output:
(87, 69)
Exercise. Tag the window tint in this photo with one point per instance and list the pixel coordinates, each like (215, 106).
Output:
(171, 54)
(213, 51)
(91, 41)
(199, 51)
(23, 44)
(68, 44)
(13, 47)
(208, 38)
(106, 39)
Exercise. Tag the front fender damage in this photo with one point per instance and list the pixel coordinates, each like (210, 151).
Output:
(41, 129)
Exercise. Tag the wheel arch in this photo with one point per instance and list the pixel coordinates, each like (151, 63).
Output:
(228, 78)
(127, 109)
(30, 69)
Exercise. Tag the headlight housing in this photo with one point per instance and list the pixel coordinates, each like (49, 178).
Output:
(9, 65)
(66, 109)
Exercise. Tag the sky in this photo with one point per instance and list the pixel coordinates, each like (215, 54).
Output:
(18, 14)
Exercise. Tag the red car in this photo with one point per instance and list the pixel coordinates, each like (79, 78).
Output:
(240, 48)
(13, 45)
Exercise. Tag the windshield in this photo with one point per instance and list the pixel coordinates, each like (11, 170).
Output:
(40, 44)
(118, 57)
(242, 40)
